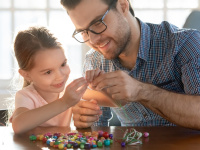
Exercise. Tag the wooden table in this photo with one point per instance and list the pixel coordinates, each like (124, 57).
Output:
(161, 138)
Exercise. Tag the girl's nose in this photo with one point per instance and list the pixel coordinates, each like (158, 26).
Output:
(59, 75)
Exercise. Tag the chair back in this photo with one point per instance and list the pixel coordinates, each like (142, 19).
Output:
(193, 20)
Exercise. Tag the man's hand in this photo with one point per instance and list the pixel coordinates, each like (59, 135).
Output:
(85, 113)
(90, 75)
(119, 85)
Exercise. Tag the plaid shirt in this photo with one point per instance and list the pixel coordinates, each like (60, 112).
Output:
(168, 58)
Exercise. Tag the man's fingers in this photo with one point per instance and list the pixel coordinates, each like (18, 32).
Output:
(107, 83)
(108, 75)
(96, 73)
(113, 89)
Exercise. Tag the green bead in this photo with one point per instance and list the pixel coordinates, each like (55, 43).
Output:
(56, 143)
(99, 144)
(69, 145)
(32, 137)
(111, 141)
(83, 141)
(82, 146)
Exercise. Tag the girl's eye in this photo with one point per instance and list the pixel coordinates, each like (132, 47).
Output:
(64, 64)
(48, 72)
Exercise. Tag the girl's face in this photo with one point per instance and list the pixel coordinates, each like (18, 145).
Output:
(50, 71)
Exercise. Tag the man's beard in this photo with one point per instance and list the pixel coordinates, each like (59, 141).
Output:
(121, 42)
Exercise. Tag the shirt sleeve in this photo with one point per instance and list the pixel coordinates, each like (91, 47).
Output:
(23, 100)
(190, 57)
(93, 61)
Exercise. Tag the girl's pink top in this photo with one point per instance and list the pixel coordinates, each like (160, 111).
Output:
(28, 97)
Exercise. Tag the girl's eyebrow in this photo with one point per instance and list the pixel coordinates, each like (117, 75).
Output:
(45, 70)
(51, 68)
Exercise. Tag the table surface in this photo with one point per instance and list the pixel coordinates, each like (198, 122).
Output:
(161, 138)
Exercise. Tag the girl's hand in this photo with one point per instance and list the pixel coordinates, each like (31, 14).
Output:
(74, 91)
(90, 75)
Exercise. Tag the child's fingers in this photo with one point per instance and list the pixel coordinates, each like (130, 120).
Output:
(82, 89)
(93, 101)
(91, 87)
(74, 85)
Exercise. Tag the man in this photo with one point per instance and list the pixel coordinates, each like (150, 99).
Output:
(152, 71)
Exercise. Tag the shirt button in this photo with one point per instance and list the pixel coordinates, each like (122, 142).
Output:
(145, 115)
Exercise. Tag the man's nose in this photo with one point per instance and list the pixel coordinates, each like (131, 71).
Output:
(94, 38)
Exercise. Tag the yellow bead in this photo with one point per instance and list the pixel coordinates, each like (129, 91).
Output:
(61, 146)
(41, 137)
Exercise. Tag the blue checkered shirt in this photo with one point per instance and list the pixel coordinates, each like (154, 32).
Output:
(168, 58)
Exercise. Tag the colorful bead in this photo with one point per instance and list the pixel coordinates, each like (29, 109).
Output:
(94, 146)
(74, 140)
(61, 146)
(99, 144)
(107, 142)
(82, 146)
(52, 143)
(111, 136)
(123, 144)
(146, 134)
(32, 137)
(75, 145)
(69, 145)
(111, 141)
(105, 135)
(87, 145)
(100, 133)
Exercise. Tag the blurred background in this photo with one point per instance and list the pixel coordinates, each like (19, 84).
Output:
(15, 14)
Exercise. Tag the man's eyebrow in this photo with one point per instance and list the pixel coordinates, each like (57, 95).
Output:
(93, 21)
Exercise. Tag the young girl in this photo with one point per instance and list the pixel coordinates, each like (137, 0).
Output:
(43, 66)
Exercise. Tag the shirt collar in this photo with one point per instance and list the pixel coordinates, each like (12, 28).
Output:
(144, 40)
(144, 44)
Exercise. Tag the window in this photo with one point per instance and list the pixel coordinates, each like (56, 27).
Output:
(15, 14)
(155, 11)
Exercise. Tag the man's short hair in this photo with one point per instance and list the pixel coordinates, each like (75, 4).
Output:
(71, 4)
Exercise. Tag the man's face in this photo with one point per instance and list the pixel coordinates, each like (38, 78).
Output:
(113, 41)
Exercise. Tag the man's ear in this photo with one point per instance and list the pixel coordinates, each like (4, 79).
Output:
(124, 5)
(24, 74)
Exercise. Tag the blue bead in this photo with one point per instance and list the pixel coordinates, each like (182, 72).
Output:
(75, 145)
(106, 142)
(123, 144)
(94, 146)
(111, 136)
(87, 145)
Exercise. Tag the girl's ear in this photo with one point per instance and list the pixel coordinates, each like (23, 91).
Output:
(24, 74)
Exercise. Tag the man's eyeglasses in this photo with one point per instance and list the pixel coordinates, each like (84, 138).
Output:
(97, 27)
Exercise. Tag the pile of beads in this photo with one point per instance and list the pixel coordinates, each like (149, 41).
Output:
(132, 137)
(75, 140)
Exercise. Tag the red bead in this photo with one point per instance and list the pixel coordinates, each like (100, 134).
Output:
(105, 135)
